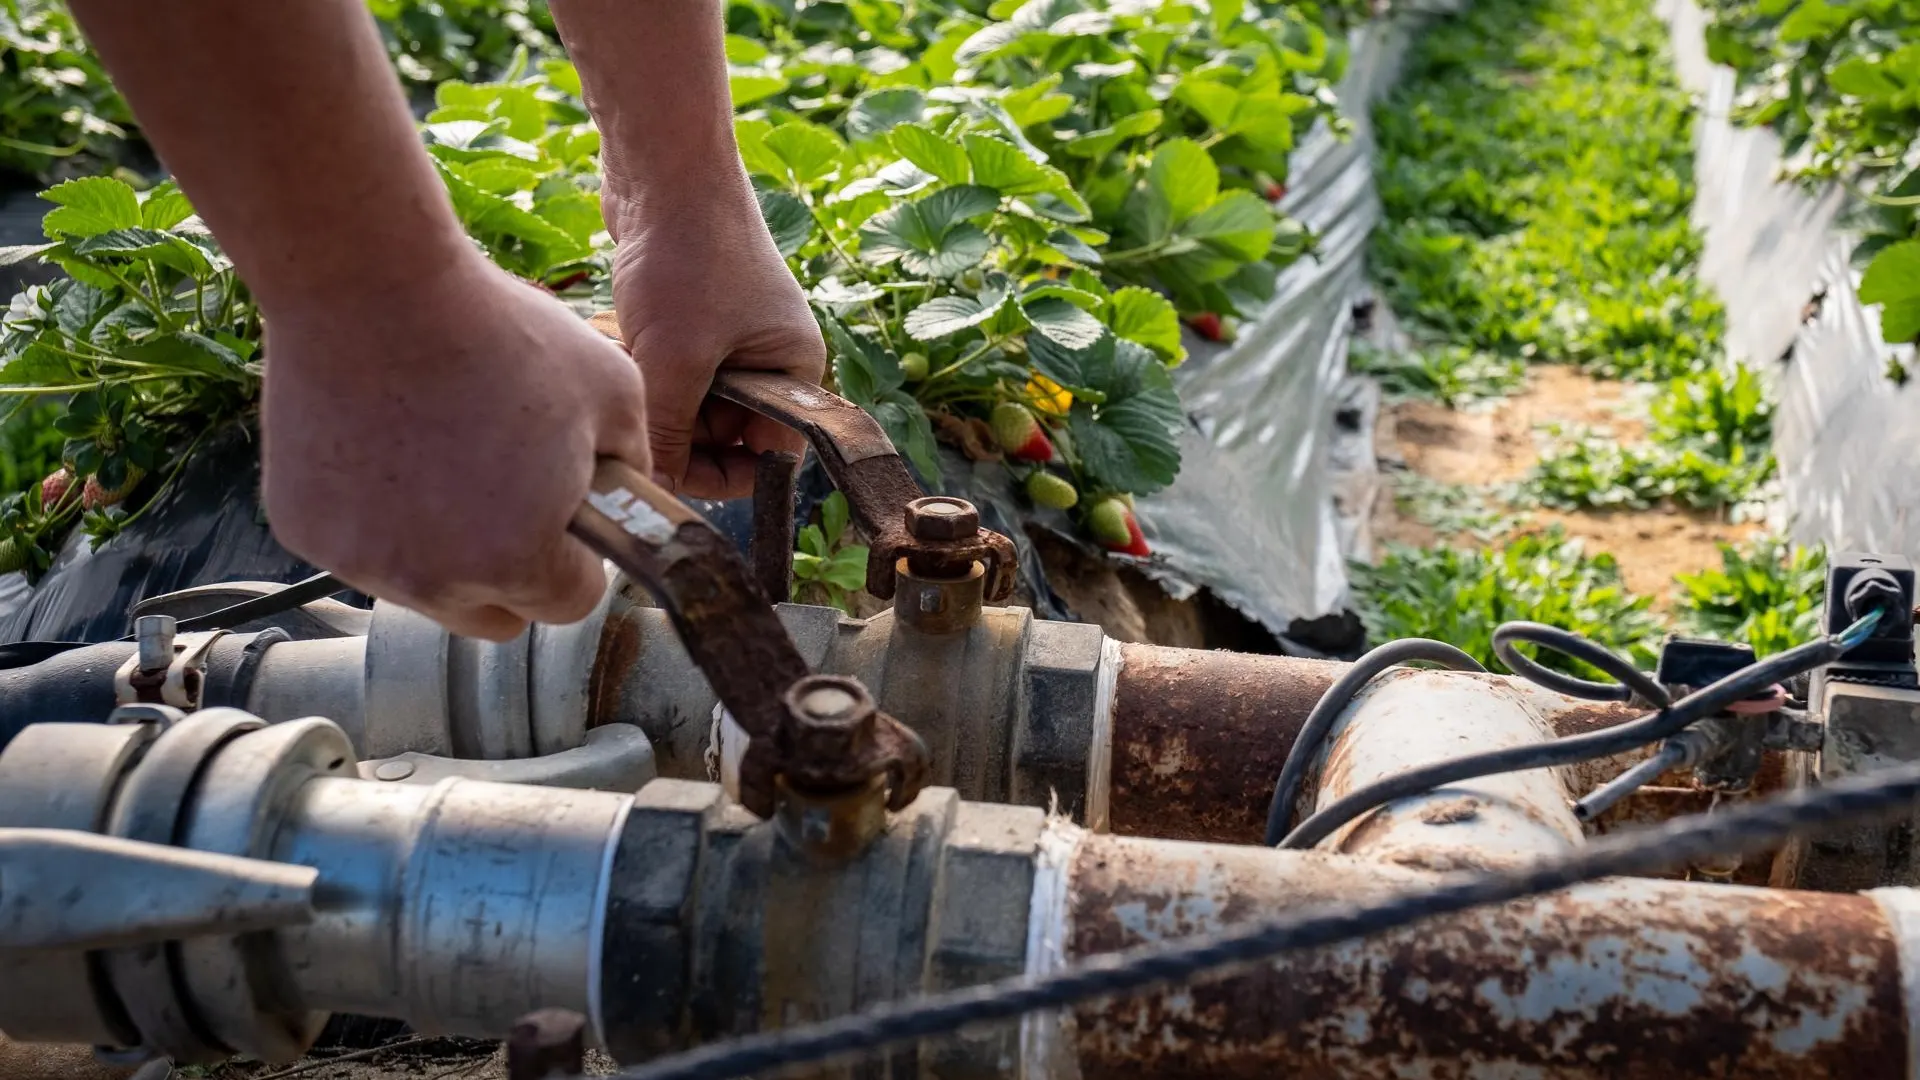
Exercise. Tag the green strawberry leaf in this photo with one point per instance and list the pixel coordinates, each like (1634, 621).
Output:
(864, 371)
(1102, 141)
(1184, 176)
(90, 206)
(931, 236)
(1145, 316)
(746, 85)
(1893, 281)
(788, 219)
(1062, 322)
(808, 151)
(907, 425)
(1130, 441)
(944, 316)
(1001, 166)
(1239, 224)
(162, 248)
(936, 154)
(163, 206)
(877, 112)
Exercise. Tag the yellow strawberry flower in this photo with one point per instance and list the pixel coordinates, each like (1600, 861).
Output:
(1048, 396)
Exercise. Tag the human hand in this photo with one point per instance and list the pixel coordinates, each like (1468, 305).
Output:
(430, 446)
(696, 288)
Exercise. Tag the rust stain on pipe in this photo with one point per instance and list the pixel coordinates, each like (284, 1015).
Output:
(619, 650)
(1199, 737)
(1623, 979)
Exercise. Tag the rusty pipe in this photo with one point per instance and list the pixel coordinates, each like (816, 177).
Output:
(1199, 737)
(1140, 739)
(1624, 978)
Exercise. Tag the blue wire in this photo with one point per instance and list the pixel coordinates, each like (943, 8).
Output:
(1862, 629)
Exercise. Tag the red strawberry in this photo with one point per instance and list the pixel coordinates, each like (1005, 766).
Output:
(1107, 521)
(97, 496)
(1274, 191)
(55, 487)
(1136, 541)
(1048, 490)
(1019, 434)
(1207, 324)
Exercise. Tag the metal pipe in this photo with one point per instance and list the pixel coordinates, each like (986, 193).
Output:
(1626, 978)
(1407, 718)
(672, 917)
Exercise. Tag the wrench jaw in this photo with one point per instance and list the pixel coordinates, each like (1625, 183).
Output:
(810, 737)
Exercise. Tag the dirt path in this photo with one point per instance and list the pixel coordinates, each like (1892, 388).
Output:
(1484, 447)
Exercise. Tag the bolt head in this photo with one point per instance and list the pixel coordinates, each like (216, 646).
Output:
(830, 714)
(942, 517)
(393, 770)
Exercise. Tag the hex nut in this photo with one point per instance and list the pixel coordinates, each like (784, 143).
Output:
(942, 517)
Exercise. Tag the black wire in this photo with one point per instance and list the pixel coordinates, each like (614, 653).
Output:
(1630, 680)
(1313, 731)
(305, 591)
(1745, 828)
(1572, 748)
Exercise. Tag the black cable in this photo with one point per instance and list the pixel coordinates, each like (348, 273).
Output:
(1313, 730)
(1572, 748)
(305, 591)
(1630, 680)
(1745, 828)
(1676, 753)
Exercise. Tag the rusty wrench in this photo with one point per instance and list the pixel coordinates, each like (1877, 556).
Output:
(737, 641)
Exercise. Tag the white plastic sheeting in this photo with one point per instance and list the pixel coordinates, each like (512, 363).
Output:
(1848, 440)
(1256, 514)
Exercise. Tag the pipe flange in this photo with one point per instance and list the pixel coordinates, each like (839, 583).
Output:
(63, 776)
(243, 795)
(149, 807)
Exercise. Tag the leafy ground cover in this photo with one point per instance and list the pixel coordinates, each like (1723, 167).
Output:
(1536, 175)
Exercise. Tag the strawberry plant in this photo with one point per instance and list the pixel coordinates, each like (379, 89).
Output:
(826, 567)
(1840, 82)
(1004, 218)
(148, 344)
(521, 162)
(55, 101)
(1454, 374)
(432, 41)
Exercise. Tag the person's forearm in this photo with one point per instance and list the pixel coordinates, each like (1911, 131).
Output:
(286, 127)
(655, 74)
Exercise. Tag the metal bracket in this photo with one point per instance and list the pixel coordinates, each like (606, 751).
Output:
(167, 669)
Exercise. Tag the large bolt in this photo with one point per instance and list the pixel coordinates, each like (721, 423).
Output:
(154, 635)
(831, 715)
(941, 517)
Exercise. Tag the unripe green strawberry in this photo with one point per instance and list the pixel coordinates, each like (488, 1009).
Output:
(1019, 434)
(1046, 489)
(13, 555)
(1107, 521)
(914, 366)
(98, 496)
(55, 487)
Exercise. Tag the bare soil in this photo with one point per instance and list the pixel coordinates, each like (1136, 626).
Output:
(1498, 443)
